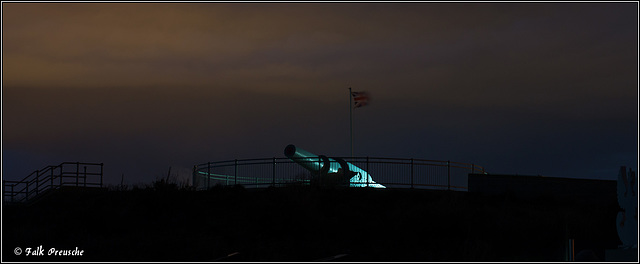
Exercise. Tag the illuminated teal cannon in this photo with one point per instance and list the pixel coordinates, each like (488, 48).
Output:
(323, 166)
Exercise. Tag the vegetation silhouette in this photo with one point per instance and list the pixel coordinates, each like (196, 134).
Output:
(169, 222)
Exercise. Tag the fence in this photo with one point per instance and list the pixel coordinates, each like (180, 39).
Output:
(390, 172)
(53, 177)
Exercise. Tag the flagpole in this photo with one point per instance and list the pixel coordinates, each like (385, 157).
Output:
(351, 121)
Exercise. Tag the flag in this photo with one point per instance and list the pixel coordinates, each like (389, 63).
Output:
(360, 99)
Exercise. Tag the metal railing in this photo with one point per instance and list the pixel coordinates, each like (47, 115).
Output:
(78, 174)
(390, 172)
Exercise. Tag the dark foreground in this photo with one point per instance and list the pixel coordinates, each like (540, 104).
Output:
(306, 224)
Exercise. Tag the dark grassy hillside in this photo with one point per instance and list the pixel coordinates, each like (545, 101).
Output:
(304, 224)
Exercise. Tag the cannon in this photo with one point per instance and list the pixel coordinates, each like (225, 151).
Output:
(325, 167)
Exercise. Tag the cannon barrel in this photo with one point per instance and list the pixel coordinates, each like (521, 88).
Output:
(315, 164)
(308, 160)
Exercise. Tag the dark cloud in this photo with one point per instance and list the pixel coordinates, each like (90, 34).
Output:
(535, 88)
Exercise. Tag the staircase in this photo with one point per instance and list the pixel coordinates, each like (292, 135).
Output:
(40, 182)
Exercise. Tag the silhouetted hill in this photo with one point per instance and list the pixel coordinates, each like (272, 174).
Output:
(304, 223)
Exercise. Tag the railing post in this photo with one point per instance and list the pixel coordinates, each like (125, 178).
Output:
(37, 181)
(273, 183)
(193, 177)
(85, 176)
(12, 193)
(208, 175)
(448, 175)
(77, 173)
(367, 172)
(235, 173)
(320, 177)
(61, 174)
(101, 166)
(411, 173)
(52, 168)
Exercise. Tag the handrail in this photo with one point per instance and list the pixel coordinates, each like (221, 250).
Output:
(53, 177)
(406, 172)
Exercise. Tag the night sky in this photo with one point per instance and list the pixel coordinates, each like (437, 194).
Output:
(519, 88)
